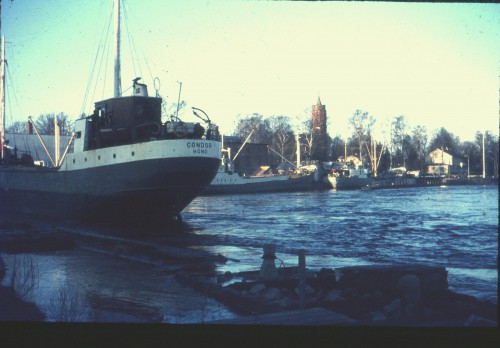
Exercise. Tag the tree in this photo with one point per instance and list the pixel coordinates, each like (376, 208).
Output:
(385, 161)
(258, 124)
(446, 141)
(412, 158)
(16, 128)
(170, 112)
(398, 130)
(337, 148)
(45, 124)
(306, 138)
(471, 151)
(362, 124)
(283, 139)
(419, 142)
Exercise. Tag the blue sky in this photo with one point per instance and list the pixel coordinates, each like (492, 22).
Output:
(435, 63)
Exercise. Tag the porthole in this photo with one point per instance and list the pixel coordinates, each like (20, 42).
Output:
(73, 160)
(133, 153)
(99, 157)
(85, 159)
(114, 155)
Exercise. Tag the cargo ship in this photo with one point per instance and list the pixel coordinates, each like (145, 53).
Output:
(300, 178)
(122, 162)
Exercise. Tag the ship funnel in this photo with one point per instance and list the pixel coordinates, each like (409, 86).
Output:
(140, 89)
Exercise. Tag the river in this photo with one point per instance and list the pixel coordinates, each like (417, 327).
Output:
(455, 227)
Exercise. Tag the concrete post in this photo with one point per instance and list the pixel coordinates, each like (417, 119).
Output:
(268, 269)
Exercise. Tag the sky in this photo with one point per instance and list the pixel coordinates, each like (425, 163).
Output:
(438, 64)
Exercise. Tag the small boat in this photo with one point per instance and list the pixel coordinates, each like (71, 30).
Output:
(349, 177)
(227, 181)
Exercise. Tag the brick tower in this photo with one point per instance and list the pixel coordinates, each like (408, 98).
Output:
(319, 135)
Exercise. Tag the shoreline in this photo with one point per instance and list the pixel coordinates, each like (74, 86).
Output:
(373, 296)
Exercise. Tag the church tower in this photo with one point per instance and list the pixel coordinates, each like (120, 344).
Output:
(319, 135)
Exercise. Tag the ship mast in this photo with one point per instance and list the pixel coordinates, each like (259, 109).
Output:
(2, 99)
(56, 141)
(118, 83)
(298, 151)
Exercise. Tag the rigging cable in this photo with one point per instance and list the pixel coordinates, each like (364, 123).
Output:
(137, 66)
(106, 62)
(105, 49)
(131, 42)
(92, 70)
(7, 93)
(9, 76)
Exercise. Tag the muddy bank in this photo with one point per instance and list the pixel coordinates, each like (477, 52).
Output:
(12, 307)
(98, 277)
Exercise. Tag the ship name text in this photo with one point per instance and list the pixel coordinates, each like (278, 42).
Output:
(199, 147)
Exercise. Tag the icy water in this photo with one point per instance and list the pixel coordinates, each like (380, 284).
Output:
(455, 227)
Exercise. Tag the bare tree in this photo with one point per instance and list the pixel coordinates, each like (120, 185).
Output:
(306, 140)
(25, 276)
(362, 124)
(45, 124)
(17, 127)
(283, 138)
(170, 111)
(66, 304)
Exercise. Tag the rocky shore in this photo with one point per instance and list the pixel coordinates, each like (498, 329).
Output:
(412, 295)
(407, 295)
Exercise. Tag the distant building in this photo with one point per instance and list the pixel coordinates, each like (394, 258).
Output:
(441, 163)
(251, 157)
(319, 134)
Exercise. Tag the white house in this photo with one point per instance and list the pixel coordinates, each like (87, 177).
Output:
(439, 162)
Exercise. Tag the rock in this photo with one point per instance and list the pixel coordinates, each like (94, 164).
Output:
(475, 320)
(2, 269)
(257, 288)
(378, 295)
(349, 292)
(367, 297)
(272, 294)
(372, 278)
(409, 287)
(224, 278)
(334, 295)
(377, 316)
(326, 279)
(285, 302)
(393, 309)
(308, 290)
